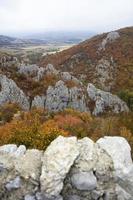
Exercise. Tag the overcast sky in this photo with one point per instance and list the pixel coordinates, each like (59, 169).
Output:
(70, 15)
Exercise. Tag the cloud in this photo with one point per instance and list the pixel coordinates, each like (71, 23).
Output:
(35, 15)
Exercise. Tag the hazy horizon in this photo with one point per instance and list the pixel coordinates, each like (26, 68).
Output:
(30, 34)
(25, 17)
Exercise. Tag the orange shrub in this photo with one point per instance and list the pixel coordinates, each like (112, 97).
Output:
(74, 125)
(5, 133)
(67, 121)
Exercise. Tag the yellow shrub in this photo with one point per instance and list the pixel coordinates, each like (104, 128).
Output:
(30, 131)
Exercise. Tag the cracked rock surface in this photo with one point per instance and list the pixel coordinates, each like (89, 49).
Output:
(69, 169)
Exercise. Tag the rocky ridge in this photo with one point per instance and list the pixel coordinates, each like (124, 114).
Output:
(69, 169)
(59, 97)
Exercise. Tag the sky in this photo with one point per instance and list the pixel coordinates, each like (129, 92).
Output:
(19, 16)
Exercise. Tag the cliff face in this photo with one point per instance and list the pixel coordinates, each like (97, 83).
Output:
(69, 169)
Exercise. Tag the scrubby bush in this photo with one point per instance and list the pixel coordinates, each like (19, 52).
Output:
(7, 111)
(32, 131)
(127, 96)
(74, 125)
(84, 116)
(75, 122)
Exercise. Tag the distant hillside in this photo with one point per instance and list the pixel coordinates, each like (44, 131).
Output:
(105, 60)
(11, 41)
(46, 38)
(5, 40)
(67, 37)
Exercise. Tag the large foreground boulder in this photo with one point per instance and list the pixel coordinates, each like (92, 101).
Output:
(57, 161)
(69, 169)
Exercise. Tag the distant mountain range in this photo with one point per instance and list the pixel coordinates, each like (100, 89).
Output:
(62, 36)
(46, 38)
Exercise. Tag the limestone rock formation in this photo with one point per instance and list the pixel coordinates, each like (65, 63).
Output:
(7, 61)
(11, 93)
(51, 70)
(106, 73)
(57, 161)
(36, 71)
(38, 101)
(105, 101)
(122, 159)
(112, 36)
(61, 97)
(66, 76)
(69, 169)
(28, 70)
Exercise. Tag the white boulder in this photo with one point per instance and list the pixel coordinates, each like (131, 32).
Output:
(119, 150)
(28, 165)
(87, 158)
(57, 161)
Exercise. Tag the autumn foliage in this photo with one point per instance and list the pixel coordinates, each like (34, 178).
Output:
(38, 128)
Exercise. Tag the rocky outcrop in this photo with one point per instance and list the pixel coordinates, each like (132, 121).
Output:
(60, 97)
(106, 72)
(37, 72)
(9, 92)
(28, 70)
(40, 72)
(66, 76)
(105, 101)
(57, 98)
(8, 61)
(69, 169)
(111, 37)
